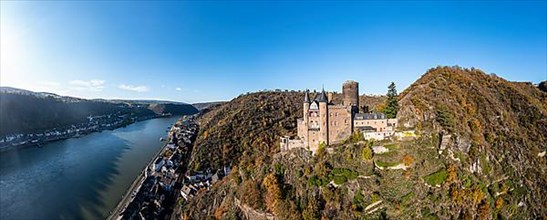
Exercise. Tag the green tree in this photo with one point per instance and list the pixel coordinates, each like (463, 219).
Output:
(367, 153)
(391, 105)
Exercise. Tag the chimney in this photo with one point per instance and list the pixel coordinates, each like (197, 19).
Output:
(329, 96)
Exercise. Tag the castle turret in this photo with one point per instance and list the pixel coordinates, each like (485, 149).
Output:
(306, 108)
(323, 118)
(350, 91)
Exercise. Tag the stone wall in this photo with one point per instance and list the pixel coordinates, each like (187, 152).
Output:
(340, 125)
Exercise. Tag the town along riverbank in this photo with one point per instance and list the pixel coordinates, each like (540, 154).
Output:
(77, 178)
(155, 191)
(94, 124)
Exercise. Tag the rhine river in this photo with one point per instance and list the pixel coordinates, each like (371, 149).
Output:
(77, 178)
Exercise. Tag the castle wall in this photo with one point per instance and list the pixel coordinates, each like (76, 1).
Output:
(313, 139)
(302, 129)
(340, 124)
(287, 143)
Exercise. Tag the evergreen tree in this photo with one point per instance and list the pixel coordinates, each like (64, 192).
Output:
(391, 106)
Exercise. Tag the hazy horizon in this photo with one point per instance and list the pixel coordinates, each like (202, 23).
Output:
(214, 51)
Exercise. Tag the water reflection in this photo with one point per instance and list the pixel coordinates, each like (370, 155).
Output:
(77, 178)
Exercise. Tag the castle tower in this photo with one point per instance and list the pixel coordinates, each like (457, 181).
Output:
(350, 91)
(306, 107)
(306, 119)
(323, 118)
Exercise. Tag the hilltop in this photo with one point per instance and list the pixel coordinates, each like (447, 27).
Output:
(477, 153)
(498, 132)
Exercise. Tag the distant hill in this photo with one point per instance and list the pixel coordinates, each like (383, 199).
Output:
(489, 165)
(24, 111)
(142, 102)
(172, 108)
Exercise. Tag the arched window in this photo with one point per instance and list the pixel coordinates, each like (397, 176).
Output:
(314, 106)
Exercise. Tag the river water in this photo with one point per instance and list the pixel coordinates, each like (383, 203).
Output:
(78, 178)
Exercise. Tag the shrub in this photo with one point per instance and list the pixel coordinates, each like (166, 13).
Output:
(347, 173)
(392, 146)
(321, 150)
(317, 181)
(406, 198)
(367, 153)
(445, 119)
(452, 174)
(408, 160)
(436, 178)
(338, 180)
(386, 164)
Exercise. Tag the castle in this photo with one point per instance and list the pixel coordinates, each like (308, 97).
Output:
(325, 122)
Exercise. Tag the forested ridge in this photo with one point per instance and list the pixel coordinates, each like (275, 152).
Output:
(24, 111)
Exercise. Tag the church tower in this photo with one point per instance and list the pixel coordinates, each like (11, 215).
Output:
(323, 118)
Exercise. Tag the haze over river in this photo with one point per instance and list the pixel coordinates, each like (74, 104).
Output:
(79, 177)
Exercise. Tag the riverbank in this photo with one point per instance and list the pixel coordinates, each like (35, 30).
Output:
(154, 191)
(43, 138)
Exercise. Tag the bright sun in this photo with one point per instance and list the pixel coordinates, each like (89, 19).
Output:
(12, 51)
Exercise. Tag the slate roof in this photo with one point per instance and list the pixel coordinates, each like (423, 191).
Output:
(322, 97)
(369, 116)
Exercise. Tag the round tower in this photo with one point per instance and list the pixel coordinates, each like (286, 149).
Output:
(306, 108)
(323, 118)
(350, 91)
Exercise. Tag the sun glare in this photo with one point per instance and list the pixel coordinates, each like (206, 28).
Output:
(11, 51)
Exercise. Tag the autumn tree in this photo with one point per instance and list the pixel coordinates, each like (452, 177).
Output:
(274, 194)
(250, 194)
(484, 210)
(452, 174)
(391, 105)
(408, 160)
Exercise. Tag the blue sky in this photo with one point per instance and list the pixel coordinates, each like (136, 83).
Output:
(204, 51)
